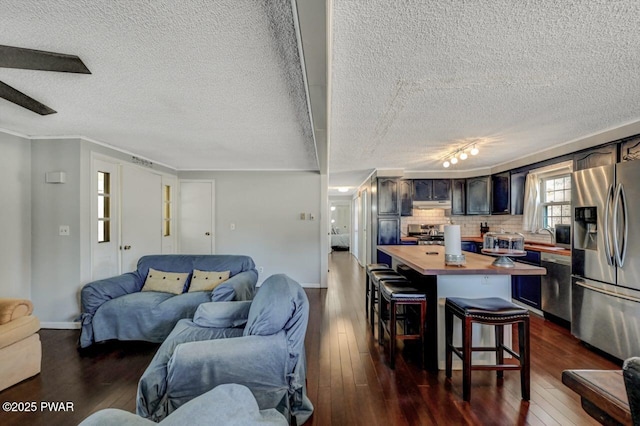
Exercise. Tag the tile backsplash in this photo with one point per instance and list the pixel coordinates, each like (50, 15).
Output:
(470, 225)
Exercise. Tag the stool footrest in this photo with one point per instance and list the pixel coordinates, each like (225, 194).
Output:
(496, 367)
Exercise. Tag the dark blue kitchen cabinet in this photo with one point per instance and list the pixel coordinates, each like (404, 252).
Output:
(409, 243)
(469, 246)
(458, 196)
(406, 198)
(595, 157)
(388, 197)
(431, 189)
(500, 193)
(385, 220)
(526, 288)
(478, 194)
(517, 192)
(388, 231)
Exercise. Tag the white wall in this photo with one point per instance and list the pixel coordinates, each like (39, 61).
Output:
(15, 216)
(265, 208)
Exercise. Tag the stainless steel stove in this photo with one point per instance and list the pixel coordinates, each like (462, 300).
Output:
(427, 234)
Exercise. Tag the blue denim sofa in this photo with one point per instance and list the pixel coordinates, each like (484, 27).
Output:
(115, 308)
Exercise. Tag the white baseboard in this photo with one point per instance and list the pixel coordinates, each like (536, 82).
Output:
(304, 285)
(60, 325)
(310, 285)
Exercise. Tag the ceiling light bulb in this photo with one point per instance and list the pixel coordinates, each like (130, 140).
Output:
(474, 150)
(333, 208)
(463, 156)
(446, 164)
(343, 189)
(454, 159)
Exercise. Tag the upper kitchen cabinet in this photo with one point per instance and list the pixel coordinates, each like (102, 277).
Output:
(431, 189)
(602, 156)
(458, 199)
(441, 189)
(630, 149)
(517, 192)
(478, 195)
(388, 197)
(500, 193)
(406, 198)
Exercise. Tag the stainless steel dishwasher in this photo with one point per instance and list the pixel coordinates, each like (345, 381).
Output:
(556, 285)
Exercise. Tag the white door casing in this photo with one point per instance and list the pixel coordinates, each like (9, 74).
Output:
(196, 217)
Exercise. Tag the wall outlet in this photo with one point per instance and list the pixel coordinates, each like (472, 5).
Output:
(260, 269)
(485, 280)
(303, 216)
(311, 216)
(64, 230)
(232, 226)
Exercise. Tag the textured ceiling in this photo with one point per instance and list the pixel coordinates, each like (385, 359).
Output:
(205, 84)
(411, 80)
(193, 84)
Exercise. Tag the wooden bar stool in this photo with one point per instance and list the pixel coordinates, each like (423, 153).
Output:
(376, 276)
(394, 293)
(372, 267)
(491, 311)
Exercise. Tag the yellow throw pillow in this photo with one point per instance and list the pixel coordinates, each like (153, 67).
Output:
(166, 282)
(207, 280)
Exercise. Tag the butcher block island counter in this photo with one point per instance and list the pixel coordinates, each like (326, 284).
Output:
(426, 269)
(429, 260)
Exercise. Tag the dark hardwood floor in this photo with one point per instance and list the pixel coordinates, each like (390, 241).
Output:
(348, 379)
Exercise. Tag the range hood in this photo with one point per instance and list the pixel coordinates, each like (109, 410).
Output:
(428, 205)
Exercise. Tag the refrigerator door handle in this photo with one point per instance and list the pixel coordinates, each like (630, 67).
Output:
(607, 231)
(608, 293)
(621, 247)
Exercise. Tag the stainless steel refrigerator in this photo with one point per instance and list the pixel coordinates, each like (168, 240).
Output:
(605, 308)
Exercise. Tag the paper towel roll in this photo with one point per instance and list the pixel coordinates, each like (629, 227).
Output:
(452, 240)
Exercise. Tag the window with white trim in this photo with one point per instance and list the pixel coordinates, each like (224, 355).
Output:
(556, 200)
(166, 211)
(104, 207)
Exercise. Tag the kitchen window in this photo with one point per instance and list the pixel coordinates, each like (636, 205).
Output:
(556, 200)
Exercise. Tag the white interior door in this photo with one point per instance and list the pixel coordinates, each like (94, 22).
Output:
(105, 224)
(196, 228)
(355, 236)
(363, 259)
(141, 217)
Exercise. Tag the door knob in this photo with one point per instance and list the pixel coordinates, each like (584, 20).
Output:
(207, 233)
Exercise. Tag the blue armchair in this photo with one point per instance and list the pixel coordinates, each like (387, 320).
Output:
(115, 308)
(266, 354)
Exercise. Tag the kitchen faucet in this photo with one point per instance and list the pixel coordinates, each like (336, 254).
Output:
(551, 233)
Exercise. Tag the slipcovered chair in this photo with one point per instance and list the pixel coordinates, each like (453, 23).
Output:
(259, 344)
(225, 405)
(20, 347)
(631, 373)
